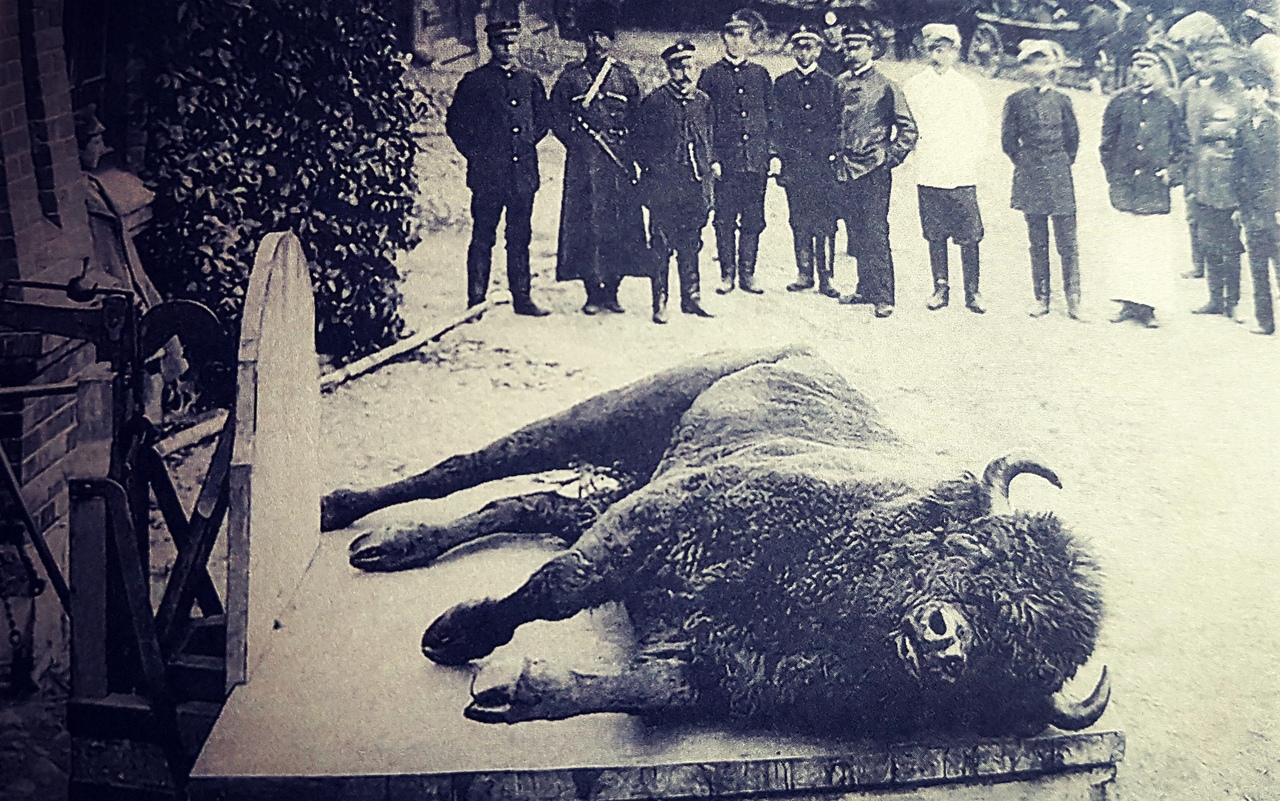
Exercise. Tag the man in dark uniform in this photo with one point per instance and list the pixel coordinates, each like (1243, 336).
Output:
(497, 117)
(831, 60)
(673, 145)
(806, 137)
(601, 225)
(877, 132)
(741, 95)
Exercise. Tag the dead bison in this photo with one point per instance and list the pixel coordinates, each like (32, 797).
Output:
(785, 560)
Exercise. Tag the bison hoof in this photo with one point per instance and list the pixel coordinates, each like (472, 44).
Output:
(394, 548)
(467, 631)
(532, 696)
(340, 509)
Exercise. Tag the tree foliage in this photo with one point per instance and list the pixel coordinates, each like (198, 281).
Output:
(272, 115)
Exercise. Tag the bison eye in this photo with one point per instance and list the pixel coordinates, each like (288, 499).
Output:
(937, 622)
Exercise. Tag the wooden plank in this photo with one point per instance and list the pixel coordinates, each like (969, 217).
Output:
(88, 548)
(274, 517)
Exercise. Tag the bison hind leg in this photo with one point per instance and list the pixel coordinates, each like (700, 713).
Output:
(645, 686)
(399, 548)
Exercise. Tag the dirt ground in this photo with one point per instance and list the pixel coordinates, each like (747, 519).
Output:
(1166, 440)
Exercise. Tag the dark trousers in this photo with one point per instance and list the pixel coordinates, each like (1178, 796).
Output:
(1064, 236)
(739, 219)
(813, 229)
(866, 214)
(1218, 235)
(486, 208)
(685, 243)
(969, 266)
(1264, 247)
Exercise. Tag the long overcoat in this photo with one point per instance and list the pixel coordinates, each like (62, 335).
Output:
(1041, 136)
(496, 120)
(601, 225)
(1143, 134)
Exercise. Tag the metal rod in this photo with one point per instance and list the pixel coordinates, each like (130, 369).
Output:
(39, 390)
(37, 539)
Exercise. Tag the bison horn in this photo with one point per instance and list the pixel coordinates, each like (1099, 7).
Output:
(1076, 715)
(1000, 472)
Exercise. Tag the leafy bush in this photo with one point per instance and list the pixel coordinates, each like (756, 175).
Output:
(273, 115)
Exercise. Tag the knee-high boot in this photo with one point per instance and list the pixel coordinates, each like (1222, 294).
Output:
(969, 263)
(748, 247)
(804, 261)
(938, 266)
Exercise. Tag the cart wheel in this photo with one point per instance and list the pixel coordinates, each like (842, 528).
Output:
(986, 50)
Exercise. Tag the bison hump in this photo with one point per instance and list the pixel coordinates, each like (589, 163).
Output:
(797, 401)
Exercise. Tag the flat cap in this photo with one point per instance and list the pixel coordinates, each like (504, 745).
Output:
(682, 50)
(806, 33)
(745, 19)
(937, 31)
(1144, 54)
(503, 29)
(1040, 48)
(859, 30)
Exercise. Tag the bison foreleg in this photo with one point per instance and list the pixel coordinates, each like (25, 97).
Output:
(558, 590)
(628, 427)
(646, 686)
(400, 548)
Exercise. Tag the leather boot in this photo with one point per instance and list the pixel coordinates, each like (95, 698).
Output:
(938, 266)
(478, 261)
(823, 254)
(804, 263)
(750, 245)
(727, 253)
(518, 279)
(659, 301)
(609, 297)
(1214, 276)
(969, 264)
(690, 289)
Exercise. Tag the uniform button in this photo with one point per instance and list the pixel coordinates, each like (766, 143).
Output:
(515, 102)
(1137, 172)
(740, 90)
(515, 129)
(745, 137)
(807, 106)
(1139, 147)
(744, 113)
(515, 158)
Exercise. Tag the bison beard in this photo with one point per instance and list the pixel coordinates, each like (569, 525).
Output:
(786, 561)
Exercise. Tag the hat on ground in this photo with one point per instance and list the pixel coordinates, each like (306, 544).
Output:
(682, 50)
(806, 33)
(745, 19)
(503, 30)
(936, 32)
(1040, 48)
(859, 31)
(599, 17)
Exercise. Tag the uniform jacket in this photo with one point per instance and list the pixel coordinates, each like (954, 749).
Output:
(1213, 122)
(673, 145)
(876, 126)
(1040, 136)
(1143, 134)
(807, 132)
(742, 114)
(831, 61)
(952, 119)
(601, 226)
(496, 120)
(1257, 166)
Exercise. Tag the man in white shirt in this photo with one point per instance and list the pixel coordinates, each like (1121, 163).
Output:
(952, 120)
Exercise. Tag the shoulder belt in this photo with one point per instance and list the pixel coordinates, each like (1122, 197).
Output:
(594, 91)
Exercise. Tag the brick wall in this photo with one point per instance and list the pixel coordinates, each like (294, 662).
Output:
(44, 235)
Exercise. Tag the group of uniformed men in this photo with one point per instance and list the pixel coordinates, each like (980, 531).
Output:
(831, 137)
(687, 147)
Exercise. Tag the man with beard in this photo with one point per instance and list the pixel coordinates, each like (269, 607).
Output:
(497, 117)
(805, 136)
(741, 93)
(673, 146)
(601, 226)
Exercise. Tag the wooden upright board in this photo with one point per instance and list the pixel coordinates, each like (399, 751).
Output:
(275, 496)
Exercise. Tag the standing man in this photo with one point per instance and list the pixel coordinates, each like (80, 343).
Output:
(1040, 136)
(741, 95)
(877, 132)
(831, 60)
(1144, 149)
(806, 136)
(601, 226)
(1210, 85)
(1258, 187)
(953, 135)
(497, 117)
(673, 145)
